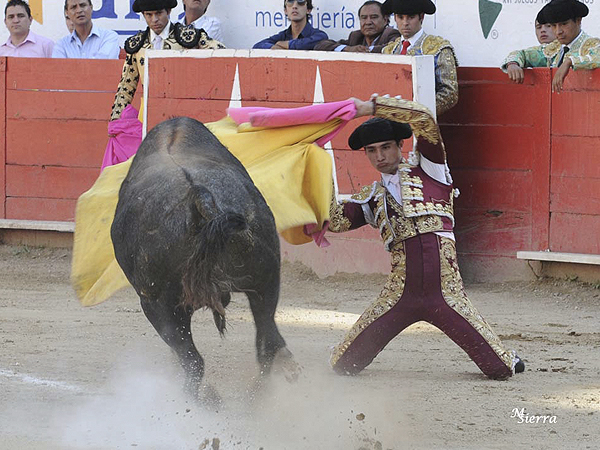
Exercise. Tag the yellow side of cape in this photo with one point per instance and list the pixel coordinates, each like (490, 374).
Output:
(292, 173)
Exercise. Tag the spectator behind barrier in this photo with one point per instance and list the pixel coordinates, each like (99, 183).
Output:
(87, 40)
(374, 34)
(195, 14)
(161, 34)
(22, 42)
(409, 16)
(517, 60)
(573, 47)
(300, 35)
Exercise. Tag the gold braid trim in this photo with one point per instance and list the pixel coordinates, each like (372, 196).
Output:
(338, 223)
(588, 45)
(552, 49)
(389, 296)
(456, 297)
(416, 115)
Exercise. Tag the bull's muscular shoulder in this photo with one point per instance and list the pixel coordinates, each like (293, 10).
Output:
(134, 43)
(188, 36)
(432, 45)
(552, 49)
(366, 193)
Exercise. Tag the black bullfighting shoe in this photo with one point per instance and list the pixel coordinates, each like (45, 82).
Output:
(519, 365)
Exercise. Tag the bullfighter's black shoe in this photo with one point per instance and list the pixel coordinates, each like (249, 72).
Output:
(519, 365)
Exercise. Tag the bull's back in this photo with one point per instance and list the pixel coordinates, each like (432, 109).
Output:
(181, 177)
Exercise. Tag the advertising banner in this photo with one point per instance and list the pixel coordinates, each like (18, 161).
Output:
(483, 32)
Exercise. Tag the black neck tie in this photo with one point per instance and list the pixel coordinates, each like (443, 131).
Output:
(562, 57)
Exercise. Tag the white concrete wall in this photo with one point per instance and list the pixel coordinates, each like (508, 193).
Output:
(248, 21)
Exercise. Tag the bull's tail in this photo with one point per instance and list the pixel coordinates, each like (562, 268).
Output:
(205, 278)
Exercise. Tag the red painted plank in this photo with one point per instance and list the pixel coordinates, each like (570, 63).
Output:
(488, 232)
(2, 137)
(586, 80)
(280, 80)
(161, 109)
(63, 74)
(40, 209)
(74, 143)
(59, 105)
(575, 233)
(48, 181)
(192, 78)
(575, 113)
(575, 156)
(392, 78)
(490, 147)
(575, 195)
(503, 191)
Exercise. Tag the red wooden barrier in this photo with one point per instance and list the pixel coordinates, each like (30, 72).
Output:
(526, 161)
(56, 133)
(575, 175)
(2, 138)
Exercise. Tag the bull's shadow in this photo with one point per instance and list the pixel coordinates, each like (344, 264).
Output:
(191, 227)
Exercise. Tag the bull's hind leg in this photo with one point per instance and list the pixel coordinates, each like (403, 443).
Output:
(173, 324)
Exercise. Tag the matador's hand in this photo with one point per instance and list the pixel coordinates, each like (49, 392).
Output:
(515, 73)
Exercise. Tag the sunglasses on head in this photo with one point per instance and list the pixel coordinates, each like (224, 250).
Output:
(300, 2)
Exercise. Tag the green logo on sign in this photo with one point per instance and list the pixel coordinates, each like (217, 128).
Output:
(488, 13)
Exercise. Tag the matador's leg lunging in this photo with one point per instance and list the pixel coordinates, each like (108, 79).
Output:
(424, 285)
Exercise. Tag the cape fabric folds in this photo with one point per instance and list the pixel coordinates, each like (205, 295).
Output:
(289, 169)
(125, 137)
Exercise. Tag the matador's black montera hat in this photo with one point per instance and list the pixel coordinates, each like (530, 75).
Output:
(378, 130)
(563, 10)
(409, 7)
(153, 5)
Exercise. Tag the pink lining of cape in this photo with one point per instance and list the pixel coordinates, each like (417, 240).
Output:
(125, 138)
(283, 117)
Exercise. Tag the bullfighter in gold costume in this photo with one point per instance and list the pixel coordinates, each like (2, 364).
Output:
(160, 34)
(412, 206)
(409, 15)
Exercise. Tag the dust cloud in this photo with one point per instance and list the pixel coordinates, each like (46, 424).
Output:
(143, 406)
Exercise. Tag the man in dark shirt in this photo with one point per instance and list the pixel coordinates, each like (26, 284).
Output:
(300, 35)
(373, 35)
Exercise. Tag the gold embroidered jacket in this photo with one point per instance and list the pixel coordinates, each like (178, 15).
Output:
(427, 204)
(446, 81)
(180, 37)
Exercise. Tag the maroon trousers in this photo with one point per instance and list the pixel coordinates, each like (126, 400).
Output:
(425, 294)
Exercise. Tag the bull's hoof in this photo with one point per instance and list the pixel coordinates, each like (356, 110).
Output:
(284, 362)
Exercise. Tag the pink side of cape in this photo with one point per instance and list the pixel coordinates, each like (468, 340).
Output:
(283, 117)
(125, 138)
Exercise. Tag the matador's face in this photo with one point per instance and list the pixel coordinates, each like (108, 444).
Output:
(385, 156)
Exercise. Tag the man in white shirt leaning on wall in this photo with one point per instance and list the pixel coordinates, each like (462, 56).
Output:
(195, 14)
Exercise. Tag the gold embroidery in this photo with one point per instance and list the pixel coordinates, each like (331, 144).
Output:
(588, 45)
(432, 45)
(552, 49)
(456, 297)
(416, 115)
(338, 223)
(389, 296)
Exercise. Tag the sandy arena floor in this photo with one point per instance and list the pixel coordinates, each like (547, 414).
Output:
(101, 378)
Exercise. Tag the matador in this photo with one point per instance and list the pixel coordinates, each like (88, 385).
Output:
(412, 207)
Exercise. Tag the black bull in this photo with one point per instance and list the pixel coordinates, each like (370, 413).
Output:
(190, 228)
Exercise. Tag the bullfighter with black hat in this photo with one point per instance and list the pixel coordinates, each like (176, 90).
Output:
(412, 207)
(517, 60)
(573, 48)
(409, 15)
(160, 34)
